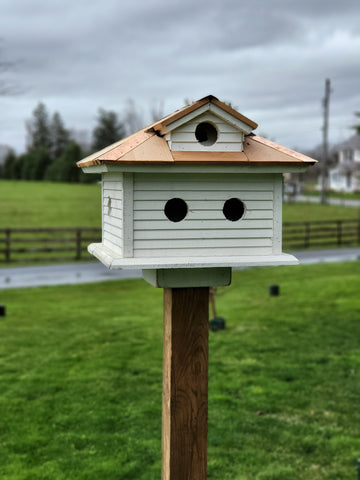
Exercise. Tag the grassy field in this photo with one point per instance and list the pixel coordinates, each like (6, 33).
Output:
(81, 374)
(44, 204)
(310, 212)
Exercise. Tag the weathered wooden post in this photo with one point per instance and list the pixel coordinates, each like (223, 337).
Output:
(185, 383)
(186, 199)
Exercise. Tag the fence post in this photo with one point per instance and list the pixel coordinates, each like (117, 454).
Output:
(7, 245)
(78, 244)
(307, 235)
(339, 232)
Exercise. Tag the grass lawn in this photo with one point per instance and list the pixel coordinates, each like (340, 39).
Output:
(342, 195)
(312, 212)
(46, 204)
(81, 375)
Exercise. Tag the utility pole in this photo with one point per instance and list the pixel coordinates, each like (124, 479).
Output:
(325, 154)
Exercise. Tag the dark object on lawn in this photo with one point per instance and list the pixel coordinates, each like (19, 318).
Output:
(274, 290)
(2, 310)
(216, 323)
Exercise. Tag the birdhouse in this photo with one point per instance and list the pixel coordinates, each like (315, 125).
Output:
(185, 200)
(197, 189)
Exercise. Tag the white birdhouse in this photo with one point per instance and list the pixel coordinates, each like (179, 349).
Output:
(194, 190)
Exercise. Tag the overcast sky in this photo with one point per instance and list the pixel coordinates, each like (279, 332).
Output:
(268, 58)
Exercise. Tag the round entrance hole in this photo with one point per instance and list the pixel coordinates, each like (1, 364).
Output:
(233, 209)
(176, 209)
(206, 134)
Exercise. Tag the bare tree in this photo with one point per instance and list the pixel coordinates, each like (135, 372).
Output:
(60, 136)
(156, 110)
(357, 126)
(6, 88)
(132, 117)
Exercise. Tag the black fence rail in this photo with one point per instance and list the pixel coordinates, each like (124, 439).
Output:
(31, 245)
(321, 234)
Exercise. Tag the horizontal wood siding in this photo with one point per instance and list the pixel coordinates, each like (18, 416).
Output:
(230, 139)
(204, 231)
(112, 208)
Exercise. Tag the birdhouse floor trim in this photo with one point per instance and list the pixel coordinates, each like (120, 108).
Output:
(113, 261)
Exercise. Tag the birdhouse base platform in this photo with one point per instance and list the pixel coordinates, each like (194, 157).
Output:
(188, 277)
(113, 261)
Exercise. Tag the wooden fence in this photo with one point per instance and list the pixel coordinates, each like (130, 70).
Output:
(31, 245)
(321, 234)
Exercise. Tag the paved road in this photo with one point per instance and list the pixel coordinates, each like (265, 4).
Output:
(19, 277)
(61, 275)
(331, 201)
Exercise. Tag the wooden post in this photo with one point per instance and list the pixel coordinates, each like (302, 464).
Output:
(78, 244)
(185, 383)
(7, 245)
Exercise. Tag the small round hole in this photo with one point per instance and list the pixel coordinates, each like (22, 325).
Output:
(206, 134)
(233, 209)
(176, 209)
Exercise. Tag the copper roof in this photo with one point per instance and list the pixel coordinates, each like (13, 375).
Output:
(148, 146)
(160, 126)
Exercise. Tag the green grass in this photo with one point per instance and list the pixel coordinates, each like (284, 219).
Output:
(81, 375)
(312, 191)
(313, 212)
(45, 204)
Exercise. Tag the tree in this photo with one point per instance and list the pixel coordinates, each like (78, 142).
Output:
(156, 110)
(12, 166)
(59, 136)
(64, 169)
(133, 119)
(108, 129)
(38, 128)
(34, 163)
(5, 87)
(357, 127)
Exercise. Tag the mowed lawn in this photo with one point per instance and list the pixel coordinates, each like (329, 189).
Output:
(46, 204)
(81, 375)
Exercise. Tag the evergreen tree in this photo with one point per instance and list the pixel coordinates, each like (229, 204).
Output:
(64, 169)
(108, 130)
(59, 135)
(10, 165)
(34, 164)
(39, 134)
(25, 165)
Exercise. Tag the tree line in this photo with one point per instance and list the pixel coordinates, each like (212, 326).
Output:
(53, 150)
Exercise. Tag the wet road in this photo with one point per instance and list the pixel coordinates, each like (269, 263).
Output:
(19, 277)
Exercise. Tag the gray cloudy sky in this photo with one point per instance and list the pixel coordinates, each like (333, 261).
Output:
(268, 58)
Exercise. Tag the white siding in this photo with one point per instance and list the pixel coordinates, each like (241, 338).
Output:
(230, 139)
(204, 231)
(112, 209)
